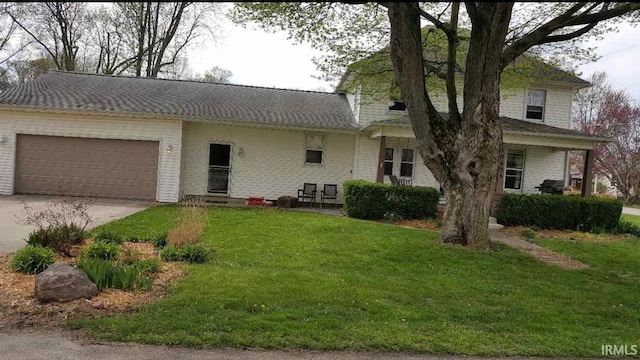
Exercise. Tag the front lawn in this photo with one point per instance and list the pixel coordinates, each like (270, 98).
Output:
(290, 280)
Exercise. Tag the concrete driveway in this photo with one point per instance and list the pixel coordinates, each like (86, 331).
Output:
(12, 234)
(631, 211)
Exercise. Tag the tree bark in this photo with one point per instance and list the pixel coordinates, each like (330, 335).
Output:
(463, 151)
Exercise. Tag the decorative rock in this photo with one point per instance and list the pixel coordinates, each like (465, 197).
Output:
(63, 282)
(98, 305)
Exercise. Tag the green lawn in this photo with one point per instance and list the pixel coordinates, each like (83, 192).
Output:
(292, 280)
(633, 218)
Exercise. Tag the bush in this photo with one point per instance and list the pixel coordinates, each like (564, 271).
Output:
(528, 233)
(559, 212)
(101, 250)
(366, 200)
(148, 266)
(108, 237)
(59, 238)
(160, 241)
(189, 226)
(59, 224)
(627, 227)
(32, 259)
(106, 274)
(192, 253)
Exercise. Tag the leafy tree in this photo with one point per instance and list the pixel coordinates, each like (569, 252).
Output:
(464, 149)
(603, 111)
(217, 75)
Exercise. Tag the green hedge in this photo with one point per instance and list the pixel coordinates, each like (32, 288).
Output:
(559, 212)
(366, 200)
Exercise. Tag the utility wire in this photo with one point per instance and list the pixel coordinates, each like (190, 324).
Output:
(617, 51)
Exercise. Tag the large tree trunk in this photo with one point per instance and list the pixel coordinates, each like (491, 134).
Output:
(463, 151)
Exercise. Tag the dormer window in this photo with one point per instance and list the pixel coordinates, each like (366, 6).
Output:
(397, 106)
(535, 104)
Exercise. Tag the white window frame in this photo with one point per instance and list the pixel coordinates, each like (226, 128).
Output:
(544, 104)
(392, 161)
(504, 174)
(397, 112)
(413, 163)
(308, 147)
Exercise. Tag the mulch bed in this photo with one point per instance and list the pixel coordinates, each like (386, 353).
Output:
(20, 308)
(567, 235)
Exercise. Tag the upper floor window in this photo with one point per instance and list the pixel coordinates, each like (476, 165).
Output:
(535, 104)
(314, 148)
(397, 106)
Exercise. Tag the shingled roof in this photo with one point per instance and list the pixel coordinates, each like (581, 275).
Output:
(183, 99)
(509, 126)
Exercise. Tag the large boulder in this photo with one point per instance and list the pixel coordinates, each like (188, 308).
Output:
(63, 282)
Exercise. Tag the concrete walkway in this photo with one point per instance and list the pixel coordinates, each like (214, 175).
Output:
(545, 255)
(12, 233)
(67, 345)
(631, 211)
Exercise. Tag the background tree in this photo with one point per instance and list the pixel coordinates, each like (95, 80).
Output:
(163, 30)
(57, 28)
(603, 111)
(464, 149)
(217, 75)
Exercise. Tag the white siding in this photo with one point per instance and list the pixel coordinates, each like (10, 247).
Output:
(167, 132)
(272, 164)
(557, 110)
(367, 163)
(540, 164)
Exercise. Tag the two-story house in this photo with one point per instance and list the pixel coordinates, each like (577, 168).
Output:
(535, 120)
(139, 138)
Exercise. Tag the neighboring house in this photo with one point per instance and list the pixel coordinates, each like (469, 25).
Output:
(155, 139)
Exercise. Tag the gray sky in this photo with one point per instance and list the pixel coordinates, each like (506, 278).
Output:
(271, 60)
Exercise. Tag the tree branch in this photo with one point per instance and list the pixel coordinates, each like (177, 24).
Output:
(452, 94)
(542, 35)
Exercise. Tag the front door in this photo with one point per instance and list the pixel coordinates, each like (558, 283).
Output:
(219, 168)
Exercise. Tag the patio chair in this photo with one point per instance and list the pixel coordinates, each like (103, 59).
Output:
(394, 180)
(406, 182)
(308, 191)
(330, 192)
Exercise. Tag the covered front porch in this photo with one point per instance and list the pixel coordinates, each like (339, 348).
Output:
(533, 153)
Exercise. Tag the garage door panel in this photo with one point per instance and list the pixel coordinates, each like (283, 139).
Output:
(86, 167)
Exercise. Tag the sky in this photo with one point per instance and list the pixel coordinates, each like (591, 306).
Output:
(258, 58)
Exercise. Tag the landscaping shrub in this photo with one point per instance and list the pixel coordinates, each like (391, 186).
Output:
(160, 241)
(58, 238)
(101, 250)
(59, 224)
(367, 200)
(148, 266)
(627, 227)
(108, 237)
(189, 226)
(559, 212)
(106, 274)
(528, 233)
(32, 259)
(191, 253)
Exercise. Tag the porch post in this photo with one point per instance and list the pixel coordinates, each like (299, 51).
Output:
(380, 174)
(587, 175)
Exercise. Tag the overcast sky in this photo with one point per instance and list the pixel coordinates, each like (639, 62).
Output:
(266, 59)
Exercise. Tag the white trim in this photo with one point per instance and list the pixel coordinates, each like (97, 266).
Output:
(229, 178)
(504, 173)
(323, 149)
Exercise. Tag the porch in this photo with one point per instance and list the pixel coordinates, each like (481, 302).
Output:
(533, 152)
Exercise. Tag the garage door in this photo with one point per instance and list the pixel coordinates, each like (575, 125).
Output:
(56, 165)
